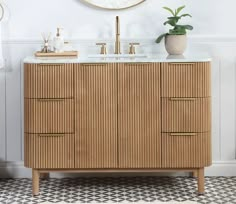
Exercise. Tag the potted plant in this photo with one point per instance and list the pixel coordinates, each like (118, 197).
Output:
(175, 39)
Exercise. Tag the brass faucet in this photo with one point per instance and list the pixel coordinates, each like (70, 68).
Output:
(117, 43)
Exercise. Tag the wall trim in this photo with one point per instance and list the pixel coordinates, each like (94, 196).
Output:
(17, 170)
(192, 38)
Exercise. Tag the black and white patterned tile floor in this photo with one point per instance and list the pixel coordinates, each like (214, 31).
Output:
(118, 190)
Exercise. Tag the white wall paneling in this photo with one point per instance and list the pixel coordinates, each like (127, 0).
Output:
(227, 107)
(2, 115)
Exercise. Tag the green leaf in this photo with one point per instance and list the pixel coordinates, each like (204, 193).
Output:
(179, 31)
(170, 10)
(185, 15)
(187, 27)
(176, 18)
(179, 9)
(171, 22)
(159, 39)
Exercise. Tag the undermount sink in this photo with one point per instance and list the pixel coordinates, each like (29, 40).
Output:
(118, 56)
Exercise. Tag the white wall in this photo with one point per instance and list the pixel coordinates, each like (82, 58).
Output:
(214, 32)
(30, 18)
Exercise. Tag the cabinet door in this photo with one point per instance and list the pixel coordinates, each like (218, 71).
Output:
(96, 116)
(139, 137)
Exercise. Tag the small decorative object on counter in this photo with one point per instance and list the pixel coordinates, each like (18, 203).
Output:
(61, 49)
(175, 39)
(46, 47)
(58, 42)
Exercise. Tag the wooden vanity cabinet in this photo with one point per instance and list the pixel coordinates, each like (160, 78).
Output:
(117, 117)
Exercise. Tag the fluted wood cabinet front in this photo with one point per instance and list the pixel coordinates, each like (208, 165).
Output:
(186, 115)
(49, 80)
(49, 116)
(96, 116)
(186, 79)
(139, 135)
(117, 115)
(50, 151)
(186, 150)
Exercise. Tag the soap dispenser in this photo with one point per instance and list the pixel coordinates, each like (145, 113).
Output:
(58, 42)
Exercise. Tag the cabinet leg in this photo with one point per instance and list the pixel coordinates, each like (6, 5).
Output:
(201, 181)
(35, 184)
(194, 174)
(44, 175)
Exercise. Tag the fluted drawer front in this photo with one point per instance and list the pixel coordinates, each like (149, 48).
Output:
(186, 79)
(139, 138)
(96, 116)
(48, 81)
(49, 115)
(49, 151)
(186, 114)
(187, 150)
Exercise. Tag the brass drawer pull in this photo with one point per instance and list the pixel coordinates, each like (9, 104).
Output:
(182, 63)
(57, 65)
(183, 99)
(50, 99)
(51, 135)
(137, 63)
(183, 134)
(94, 64)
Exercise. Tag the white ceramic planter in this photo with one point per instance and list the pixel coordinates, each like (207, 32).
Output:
(176, 44)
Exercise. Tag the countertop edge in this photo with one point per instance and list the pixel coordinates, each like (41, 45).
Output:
(33, 60)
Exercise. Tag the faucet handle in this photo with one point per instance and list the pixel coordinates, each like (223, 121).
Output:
(132, 48)
(103, 48)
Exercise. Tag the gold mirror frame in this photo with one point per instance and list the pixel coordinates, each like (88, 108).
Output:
(107, 8)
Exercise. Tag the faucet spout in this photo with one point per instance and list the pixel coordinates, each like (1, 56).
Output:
(117, 43)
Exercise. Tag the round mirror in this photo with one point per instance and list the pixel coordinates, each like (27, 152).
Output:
(114, 4)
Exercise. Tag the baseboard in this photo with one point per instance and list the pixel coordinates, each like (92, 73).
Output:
(17, 170)
(222, 168)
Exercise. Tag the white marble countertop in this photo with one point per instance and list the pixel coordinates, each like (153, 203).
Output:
(100, 59)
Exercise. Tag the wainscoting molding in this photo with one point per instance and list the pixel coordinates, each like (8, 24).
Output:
(222, 49)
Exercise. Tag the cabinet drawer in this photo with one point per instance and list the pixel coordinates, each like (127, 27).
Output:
(48, 81)
(186, 79)
(49, 150)
(49, 115)
(186, 150)
(186, 114)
